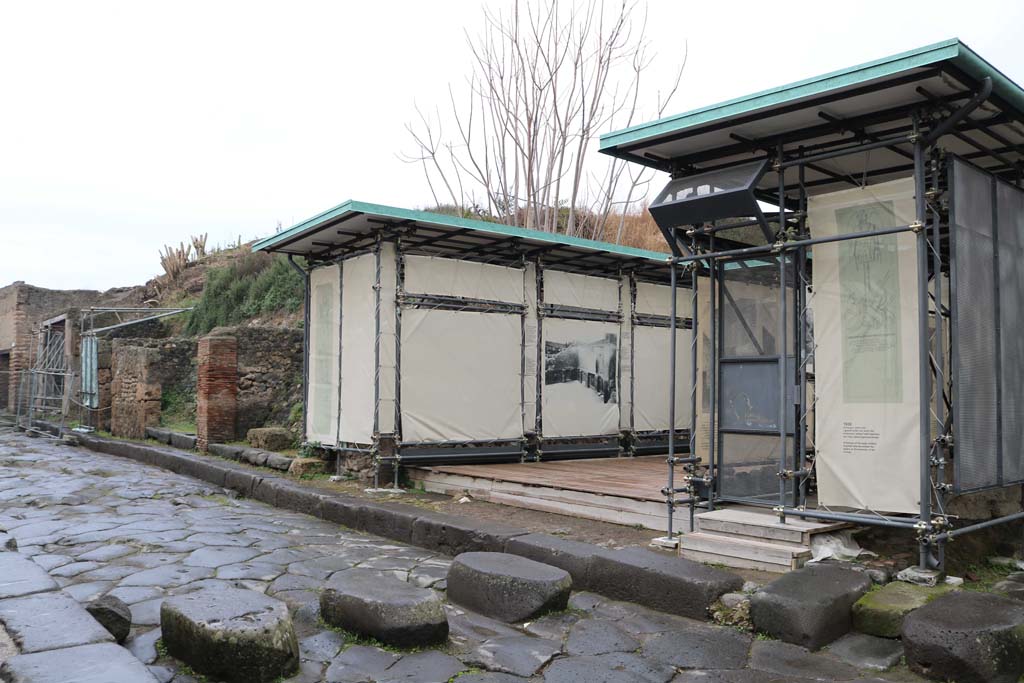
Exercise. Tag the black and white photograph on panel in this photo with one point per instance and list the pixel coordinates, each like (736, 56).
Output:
(581, 370)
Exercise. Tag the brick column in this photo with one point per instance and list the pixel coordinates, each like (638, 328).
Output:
(217, 391)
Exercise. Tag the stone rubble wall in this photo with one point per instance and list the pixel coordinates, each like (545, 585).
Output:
(138, 373)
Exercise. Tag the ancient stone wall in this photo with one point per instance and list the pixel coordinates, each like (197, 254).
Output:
(269, 375)
(139, 374)
(23, 307)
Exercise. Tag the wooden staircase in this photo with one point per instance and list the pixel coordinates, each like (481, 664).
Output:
(752, 538)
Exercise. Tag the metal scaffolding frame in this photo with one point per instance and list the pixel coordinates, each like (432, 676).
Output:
(696, 250)
(415, 238)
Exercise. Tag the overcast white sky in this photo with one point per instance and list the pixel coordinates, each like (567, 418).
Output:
(125, 126)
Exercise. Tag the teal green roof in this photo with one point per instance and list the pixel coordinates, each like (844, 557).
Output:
(952, 51)
(353, 208)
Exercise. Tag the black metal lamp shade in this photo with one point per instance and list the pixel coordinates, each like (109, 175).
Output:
(710, 196)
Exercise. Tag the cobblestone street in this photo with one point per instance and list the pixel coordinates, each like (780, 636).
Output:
(105, 525)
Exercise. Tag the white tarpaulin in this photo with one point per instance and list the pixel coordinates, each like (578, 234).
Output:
(460, 375)
(531, 349)
(651, 392)
(626, 353)
(468, 279)
(357, 358)
(654, 299)
(865, 319)
(580, 395)
(322, 402)
(388, 343)
(580, 291)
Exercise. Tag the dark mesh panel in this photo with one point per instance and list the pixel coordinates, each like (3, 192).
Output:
(975, 330)
(1010, 217)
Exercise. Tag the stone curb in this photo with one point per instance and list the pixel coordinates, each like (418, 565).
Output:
(253, 456)
(635, 575)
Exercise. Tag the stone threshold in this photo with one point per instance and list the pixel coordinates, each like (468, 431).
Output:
(656, 580)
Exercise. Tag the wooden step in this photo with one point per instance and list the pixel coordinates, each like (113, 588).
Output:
(740, 562)
(734, 546)
(757, 524)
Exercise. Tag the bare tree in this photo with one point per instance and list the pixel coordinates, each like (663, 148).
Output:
(517, 145)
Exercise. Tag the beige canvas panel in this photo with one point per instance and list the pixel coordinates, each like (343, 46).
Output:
(322, 401)
(388, 342)
(865, 317)
(651, 390)
(580, 291)
(532, 341)
(460, 375)
(652, 299)
(467, 279)
(357, 357)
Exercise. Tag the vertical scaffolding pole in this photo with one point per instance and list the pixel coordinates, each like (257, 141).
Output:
(800, 359)
(670, 494)
(694, 350)
(940, 356)
(924, 370)
(714, 455)
(783, 377)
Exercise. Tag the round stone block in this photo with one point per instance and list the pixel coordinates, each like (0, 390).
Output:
(231, 634)
(966, 637)
(507, 587)
(383, 607)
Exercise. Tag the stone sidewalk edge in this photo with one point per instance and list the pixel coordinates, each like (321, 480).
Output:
(653, 579)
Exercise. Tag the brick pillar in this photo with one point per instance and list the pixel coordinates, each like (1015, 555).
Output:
(217, 391)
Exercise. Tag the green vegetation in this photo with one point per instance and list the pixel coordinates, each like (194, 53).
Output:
(254, 285)
(178, 410)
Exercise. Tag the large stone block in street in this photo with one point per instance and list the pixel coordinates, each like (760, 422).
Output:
(967, 637)
(809, 607)
(663, 582)
(507, 587)
(102, 663)
(232, 634)
(270, 438)
(383, 607)
(881, 612)
(21, 576)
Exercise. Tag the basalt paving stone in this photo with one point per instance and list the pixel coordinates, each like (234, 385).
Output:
(321, 567)
(359, 664)
(21, 576)
(102, 663)
(792, 660)
(48, 621)
(490, 677)
(143, 645)
(218, 556)
(700, 647)
(595, 637)
(250, 570)
(519, 655)
(429, 666)
(167, 576)
(291, 582)
(611, 668)
(738, 676)
(105, 553)
(867, 652)
(321, 647)
(132, 594)
(552, 626)
(84, 592)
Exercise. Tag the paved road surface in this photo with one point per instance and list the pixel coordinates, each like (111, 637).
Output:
(101, 524)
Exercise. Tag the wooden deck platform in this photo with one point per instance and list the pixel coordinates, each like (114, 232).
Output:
(619, 490)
